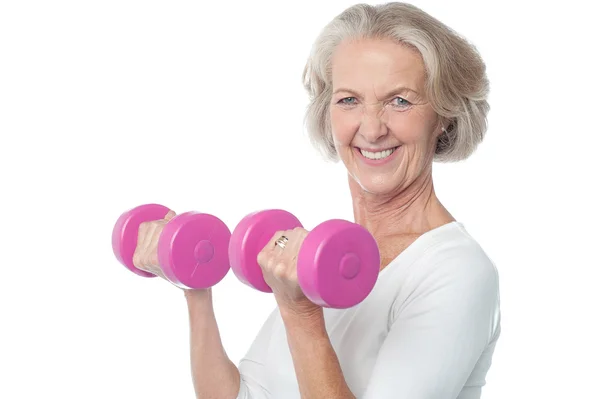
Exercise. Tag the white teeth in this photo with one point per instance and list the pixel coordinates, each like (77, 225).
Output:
(378, 155)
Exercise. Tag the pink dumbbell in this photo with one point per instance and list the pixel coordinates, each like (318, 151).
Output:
(337, 266)
(192, 248)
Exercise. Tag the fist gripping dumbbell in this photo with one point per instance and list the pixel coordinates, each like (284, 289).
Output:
(192, 248)
(337, 266)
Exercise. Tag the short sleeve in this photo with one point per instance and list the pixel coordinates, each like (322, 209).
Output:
(438, 331)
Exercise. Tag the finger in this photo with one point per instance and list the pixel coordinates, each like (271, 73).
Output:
(151, 249)
(138, 253)
(170, 215)
(137, 260)
(267, 251)
(280, 270)
(291, 241)
(147, 234)
(153, 245)
(289, 254)
(275, 237)
(284, 235)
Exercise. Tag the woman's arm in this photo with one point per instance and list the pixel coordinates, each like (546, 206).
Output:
(214, 375)
(316, 364)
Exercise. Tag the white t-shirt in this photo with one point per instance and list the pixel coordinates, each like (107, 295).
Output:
(427, 330)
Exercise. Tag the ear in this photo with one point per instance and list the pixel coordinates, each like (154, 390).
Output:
(444, 125)
(441, 127)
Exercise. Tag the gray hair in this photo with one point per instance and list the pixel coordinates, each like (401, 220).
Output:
(456, 83)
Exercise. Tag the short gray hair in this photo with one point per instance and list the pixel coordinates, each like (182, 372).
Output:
(456, 83)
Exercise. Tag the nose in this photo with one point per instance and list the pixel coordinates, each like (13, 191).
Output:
(372, 126)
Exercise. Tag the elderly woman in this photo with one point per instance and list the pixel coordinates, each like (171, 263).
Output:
(392, 90)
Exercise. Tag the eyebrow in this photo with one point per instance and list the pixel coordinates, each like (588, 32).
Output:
(386, 95)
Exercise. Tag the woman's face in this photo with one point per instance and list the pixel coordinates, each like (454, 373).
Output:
(383, 127)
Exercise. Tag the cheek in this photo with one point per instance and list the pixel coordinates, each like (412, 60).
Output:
(411, 128)
(343, 126)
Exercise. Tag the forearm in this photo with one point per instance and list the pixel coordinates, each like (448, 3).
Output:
(214, 375)
(316, 364)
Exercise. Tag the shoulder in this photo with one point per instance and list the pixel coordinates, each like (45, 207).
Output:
(452, 256)
(452, 274)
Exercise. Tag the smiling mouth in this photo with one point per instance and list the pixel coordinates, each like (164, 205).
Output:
(379, 154)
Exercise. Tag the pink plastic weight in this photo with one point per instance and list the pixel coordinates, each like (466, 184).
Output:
(125, 233)
(249, 238)
(338, 264)
(192, 250)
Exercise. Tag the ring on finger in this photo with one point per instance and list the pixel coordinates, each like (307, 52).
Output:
(281, 241)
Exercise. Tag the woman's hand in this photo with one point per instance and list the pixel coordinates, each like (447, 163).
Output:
(145, 256)
(279, 267)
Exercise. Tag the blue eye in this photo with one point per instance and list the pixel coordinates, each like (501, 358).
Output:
(400, 102)
(347, 101)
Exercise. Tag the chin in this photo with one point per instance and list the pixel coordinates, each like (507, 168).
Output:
(377, 184)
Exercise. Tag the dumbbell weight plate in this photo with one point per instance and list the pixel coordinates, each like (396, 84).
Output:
(338, 264)
(125, 233)
(249, 237)
(192, 250)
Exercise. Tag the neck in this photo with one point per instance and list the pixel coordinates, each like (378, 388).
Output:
(397, 219)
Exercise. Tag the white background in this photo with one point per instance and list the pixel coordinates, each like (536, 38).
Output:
(105, 105)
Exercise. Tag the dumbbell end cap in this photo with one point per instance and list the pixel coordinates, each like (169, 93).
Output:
(338, 264)
(192, 250)
(125, 233)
